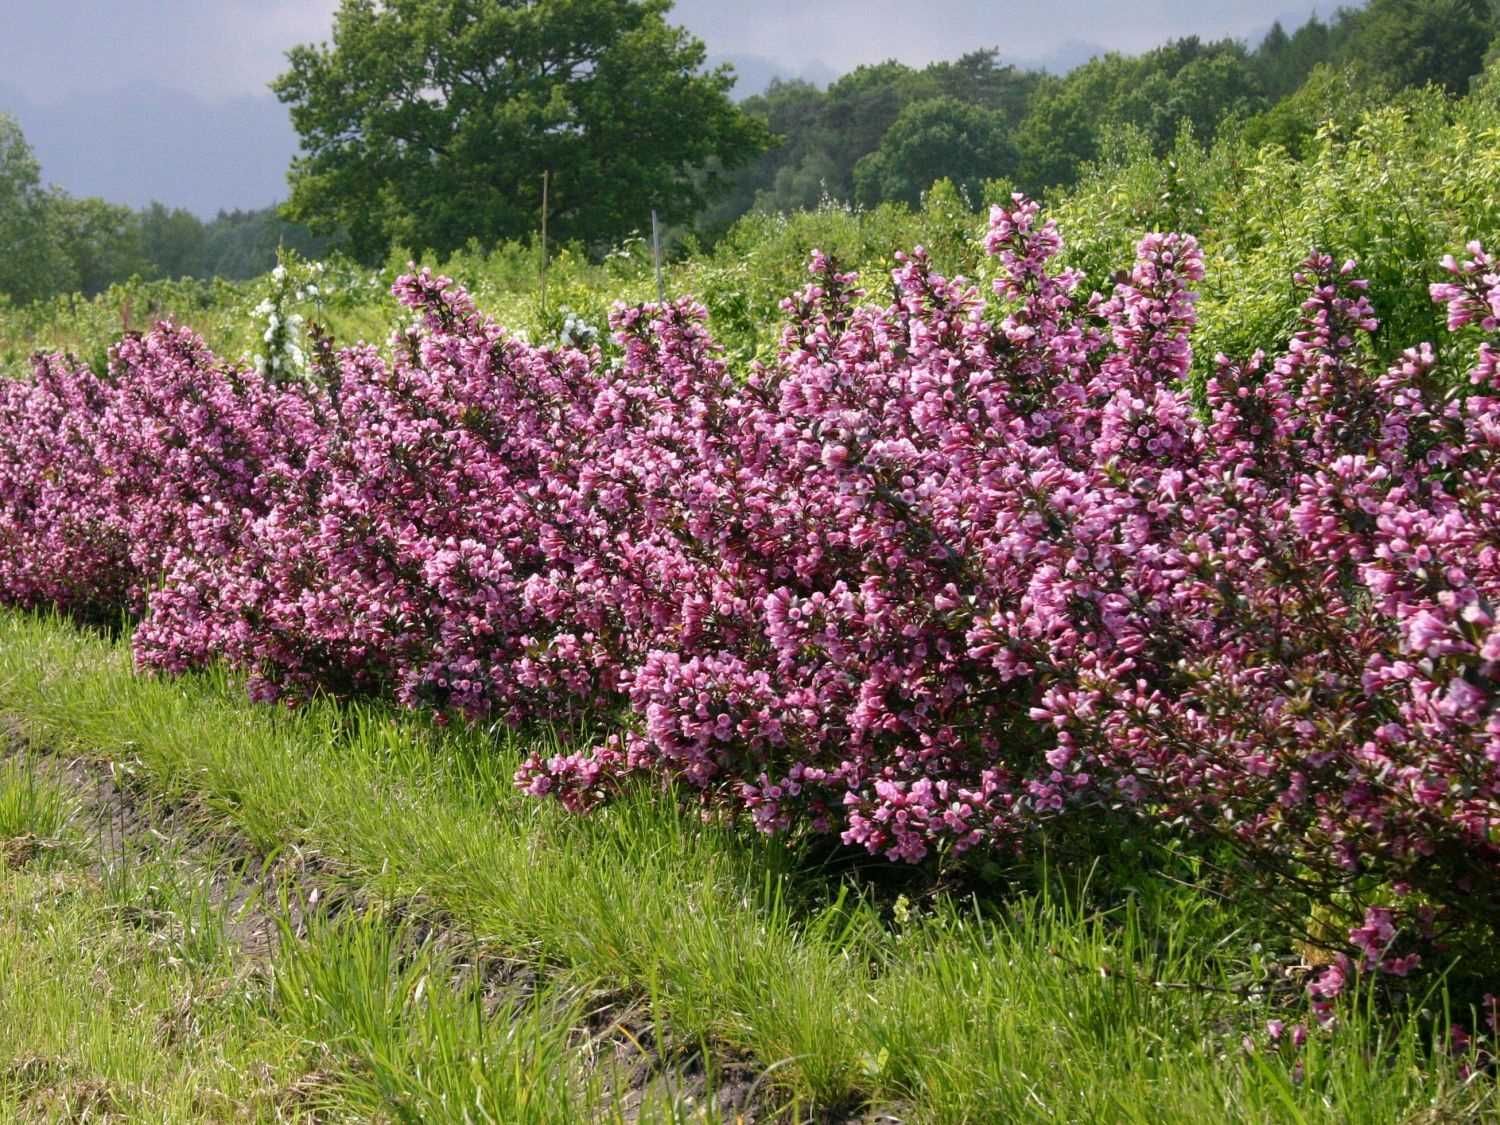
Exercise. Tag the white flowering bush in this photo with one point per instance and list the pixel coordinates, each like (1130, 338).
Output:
(288, 292)
(576, 332)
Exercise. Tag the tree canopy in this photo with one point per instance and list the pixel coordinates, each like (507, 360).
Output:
(1417, 42)
(32, 261)
(933, 139)
(1186, 80)
(428, 123)
(1060, 124)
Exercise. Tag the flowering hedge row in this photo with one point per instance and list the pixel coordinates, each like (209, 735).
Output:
(953, 564)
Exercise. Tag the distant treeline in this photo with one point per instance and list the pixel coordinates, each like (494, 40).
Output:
(59, 243)
(887, 132)
(882, 133)
(54, 242)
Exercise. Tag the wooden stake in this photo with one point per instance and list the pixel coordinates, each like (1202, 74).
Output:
(661, 292)
(544, 242)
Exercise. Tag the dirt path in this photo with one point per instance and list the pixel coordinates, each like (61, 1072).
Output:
(264, 900)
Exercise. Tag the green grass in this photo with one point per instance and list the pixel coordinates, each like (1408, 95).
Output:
(133, 991)
(1116, 1002)
(419, 1049)
(116, 1003)
(33, 815)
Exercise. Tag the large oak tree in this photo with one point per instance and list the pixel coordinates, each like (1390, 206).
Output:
(427, 123)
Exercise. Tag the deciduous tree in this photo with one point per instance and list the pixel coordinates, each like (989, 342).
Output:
(427, 123)
(32, 263)
(934, 139)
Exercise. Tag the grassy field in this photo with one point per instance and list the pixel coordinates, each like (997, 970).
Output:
(121, 996)
(157, 970)
(1115, 990)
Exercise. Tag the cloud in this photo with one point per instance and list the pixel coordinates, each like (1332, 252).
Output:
(845, 33)
(143, 142)
(209, 48)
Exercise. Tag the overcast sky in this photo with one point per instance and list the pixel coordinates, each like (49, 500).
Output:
(219, 48)
(74, 69)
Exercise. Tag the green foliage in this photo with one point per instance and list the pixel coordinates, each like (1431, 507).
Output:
(235, 244)
(431, 122)
(87, 327)
(1394, 181)
(1416, 42)
(427, 124)
(60, 244)
(742, 279)
(174, 240)
(1185, 81)
(934, 139)
(242, 244)
(103, 241)
(1060, 125)
(1284, 61)
(980, 78)
(763, 259)
(823, 135)
(1129, 191)
(33, 261)
(1332, 97)
(1393, 187)
(797, 171)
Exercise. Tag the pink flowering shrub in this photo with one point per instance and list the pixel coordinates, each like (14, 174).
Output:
(57, 545)
(479, 527)
(953, 566)
(215, 452)
(105, 482)
(1317, 682)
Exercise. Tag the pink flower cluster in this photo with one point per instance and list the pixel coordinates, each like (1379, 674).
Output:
(108, 481)
(57, 546)
(953, 564)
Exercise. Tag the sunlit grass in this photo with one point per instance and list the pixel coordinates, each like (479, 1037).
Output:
(131, 993)
(33, 814)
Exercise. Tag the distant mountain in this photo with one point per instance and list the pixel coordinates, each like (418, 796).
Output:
(1064, 57)
(144, 142)
(755, 73)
